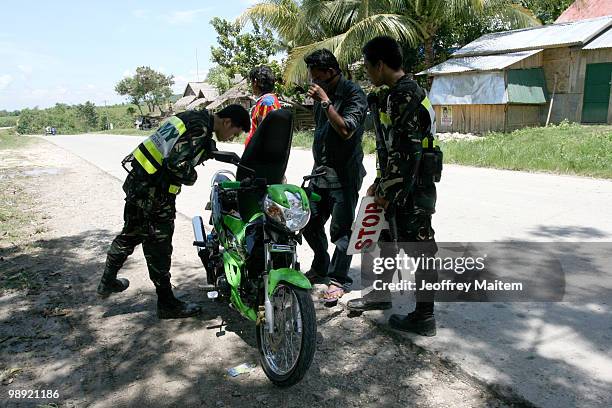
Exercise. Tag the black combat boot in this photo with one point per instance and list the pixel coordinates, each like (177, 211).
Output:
(421, 321)
(169, 307)
(373, 300)
(110, 284)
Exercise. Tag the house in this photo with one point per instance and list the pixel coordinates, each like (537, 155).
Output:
(585, 9)
(239, 94)
(508, 80)
(196, 94)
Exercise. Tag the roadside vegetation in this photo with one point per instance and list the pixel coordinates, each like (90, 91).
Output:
(566, 148)
(12, 196)
(17, 209)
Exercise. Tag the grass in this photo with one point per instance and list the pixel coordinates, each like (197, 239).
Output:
(6, 121)
(18, 218)
(12, 195)
(565, 148)
(9, 139)
(304, 139)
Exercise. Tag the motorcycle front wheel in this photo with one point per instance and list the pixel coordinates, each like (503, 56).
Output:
(286, 354)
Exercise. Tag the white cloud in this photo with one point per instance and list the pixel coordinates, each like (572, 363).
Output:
(26, 69)
(186, 16)
(5, 80)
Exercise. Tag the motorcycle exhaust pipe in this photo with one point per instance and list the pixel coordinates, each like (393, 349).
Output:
(198, 233)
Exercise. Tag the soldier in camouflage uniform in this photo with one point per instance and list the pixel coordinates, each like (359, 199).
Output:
(405, 123)
(160, 165)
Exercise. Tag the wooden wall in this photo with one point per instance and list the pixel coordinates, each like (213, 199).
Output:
(473, 118)
(520, 116)
(569, 67)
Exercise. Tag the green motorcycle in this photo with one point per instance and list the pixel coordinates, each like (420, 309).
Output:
(250, 255)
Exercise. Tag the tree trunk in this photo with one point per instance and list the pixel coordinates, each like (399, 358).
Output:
(429, 51)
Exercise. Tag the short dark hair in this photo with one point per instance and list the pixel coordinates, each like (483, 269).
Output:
(385, 49)
(238, 115)
(264, 76)
(322, 59)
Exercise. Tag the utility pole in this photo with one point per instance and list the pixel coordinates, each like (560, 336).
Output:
(197, 67)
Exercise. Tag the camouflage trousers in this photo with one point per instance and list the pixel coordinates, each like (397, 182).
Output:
(415, 235)
(155, 235)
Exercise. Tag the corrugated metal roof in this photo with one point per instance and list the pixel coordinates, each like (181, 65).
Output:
(581, 9)
(478, 63)
(603, 41)
(548, 36)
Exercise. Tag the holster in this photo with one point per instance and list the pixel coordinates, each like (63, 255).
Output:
(431, 167)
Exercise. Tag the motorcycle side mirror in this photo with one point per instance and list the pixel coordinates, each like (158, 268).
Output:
(226, 157)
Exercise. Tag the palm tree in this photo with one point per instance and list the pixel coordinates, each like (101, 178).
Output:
(433, 14)
(343, 26)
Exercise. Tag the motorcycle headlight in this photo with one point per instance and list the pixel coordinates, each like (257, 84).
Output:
(294, 218)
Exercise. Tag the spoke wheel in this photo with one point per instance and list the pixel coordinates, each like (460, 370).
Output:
(287, 353)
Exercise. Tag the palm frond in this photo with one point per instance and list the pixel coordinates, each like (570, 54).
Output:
(347, 46)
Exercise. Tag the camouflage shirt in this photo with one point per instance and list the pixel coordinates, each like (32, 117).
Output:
(156, 193)
(401, 127)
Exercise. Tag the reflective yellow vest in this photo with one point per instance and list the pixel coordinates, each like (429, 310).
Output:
(151, 153)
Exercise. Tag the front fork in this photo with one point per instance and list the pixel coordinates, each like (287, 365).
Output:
(270, 248)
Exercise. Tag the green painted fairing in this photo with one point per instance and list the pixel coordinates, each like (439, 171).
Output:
(235, 224)
(233, 266)
(229, 184)
(288, 275)
(277, 193)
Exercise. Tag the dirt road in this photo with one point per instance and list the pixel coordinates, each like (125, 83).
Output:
(56, 335)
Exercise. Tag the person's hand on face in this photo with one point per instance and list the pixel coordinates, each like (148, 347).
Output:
(319, 82)
(317, 93)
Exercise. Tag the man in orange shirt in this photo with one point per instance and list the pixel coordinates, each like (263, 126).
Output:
(262, 82)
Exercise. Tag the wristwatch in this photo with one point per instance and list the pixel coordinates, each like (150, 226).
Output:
(325, 104)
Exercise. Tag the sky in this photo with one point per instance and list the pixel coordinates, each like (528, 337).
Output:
(71, 51)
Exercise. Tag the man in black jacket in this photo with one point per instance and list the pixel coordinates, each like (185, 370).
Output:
(339, 109)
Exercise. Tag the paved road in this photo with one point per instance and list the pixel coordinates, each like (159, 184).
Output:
(553, 354)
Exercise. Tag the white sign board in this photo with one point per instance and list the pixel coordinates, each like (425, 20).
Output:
(447, 115)
(370, 221)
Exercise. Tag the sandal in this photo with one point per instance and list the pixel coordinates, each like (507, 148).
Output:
(334, 290)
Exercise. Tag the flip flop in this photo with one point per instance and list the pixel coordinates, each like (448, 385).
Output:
(331, 292)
